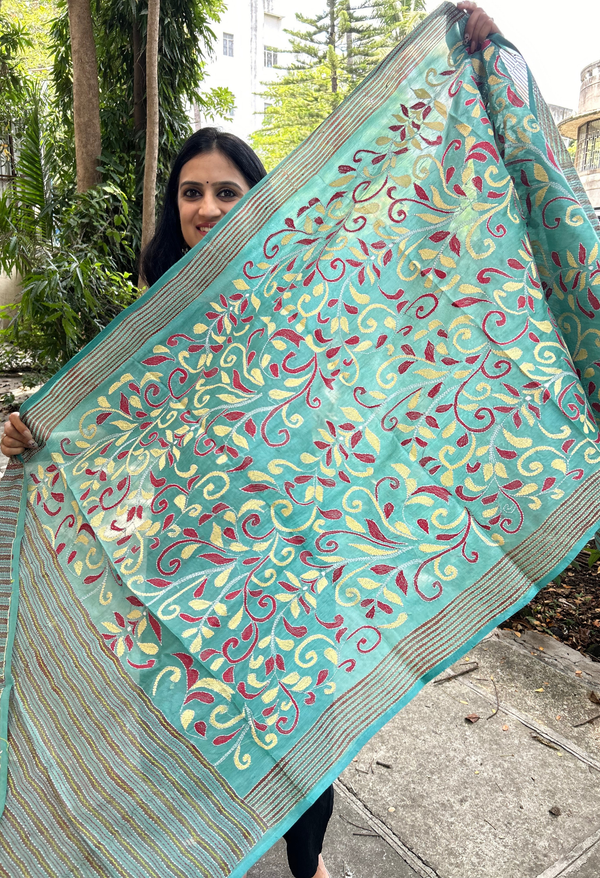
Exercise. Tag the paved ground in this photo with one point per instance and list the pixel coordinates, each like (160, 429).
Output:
(515, 794)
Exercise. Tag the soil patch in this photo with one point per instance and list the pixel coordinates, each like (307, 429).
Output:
(568, 608)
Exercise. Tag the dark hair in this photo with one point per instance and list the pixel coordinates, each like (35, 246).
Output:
(167, 246)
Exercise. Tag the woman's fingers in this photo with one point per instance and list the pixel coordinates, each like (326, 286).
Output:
(482, 27)
(13, 443)
(15, 422)
(10, 446)
(479, 26)
(16, 437)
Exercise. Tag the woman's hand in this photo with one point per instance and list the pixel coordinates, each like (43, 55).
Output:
(479, 26)
(16, 437)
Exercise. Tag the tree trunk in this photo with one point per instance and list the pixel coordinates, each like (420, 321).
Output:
(151, 160)
(86, 98)
(139, 80)
(331, 41)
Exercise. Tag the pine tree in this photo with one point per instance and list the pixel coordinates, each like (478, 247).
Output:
(332, 54)
(296, 105)
(393, 20)
(341, 29)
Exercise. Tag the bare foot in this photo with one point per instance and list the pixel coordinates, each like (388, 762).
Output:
(321, 870)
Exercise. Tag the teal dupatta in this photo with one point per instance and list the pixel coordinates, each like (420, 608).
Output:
(334, 446)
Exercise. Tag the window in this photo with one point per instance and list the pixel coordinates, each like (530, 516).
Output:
(589, 146)
(228, 45)
(270, 57)
(268, 5)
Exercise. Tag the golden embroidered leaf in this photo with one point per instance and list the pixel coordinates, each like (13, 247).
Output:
(186, 717)
(367, 583)
(372, 439)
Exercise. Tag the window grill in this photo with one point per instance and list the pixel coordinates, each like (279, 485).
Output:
(589, 146)
(228, 45)
(270, 57)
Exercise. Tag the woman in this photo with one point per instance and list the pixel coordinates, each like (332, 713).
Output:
(212, 171)
(210, 175)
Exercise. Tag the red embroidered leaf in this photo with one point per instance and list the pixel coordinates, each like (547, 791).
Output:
(204, 697)
(155, 625)
(455, 245)
(513, 98)
(159, 583)
(382, 569)
(216, 559)
(375, 531)
(295, 631)
(157, 360)
(401, 582)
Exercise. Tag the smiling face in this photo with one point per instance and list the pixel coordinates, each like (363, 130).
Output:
(209, 186)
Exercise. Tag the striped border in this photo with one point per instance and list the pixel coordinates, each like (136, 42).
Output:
(116, 755)
(489, 600)
(11, 513)
(553, 136)
(192, 276)
(10, 505)
(39, 547)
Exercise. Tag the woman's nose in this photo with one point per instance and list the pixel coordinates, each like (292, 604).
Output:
(209, 206)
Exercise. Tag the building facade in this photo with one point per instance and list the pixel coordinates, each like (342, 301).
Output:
(584, 127)
(250, 38)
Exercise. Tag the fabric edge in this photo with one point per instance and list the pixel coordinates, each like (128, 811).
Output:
(444, 10)
(10, 543)
(276, 832)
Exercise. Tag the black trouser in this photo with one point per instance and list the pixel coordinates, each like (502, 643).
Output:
(305, 838)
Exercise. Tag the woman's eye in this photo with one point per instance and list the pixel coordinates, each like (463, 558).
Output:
(190, 193)
(227, 193)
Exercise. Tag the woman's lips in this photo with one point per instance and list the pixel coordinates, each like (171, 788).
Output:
(205, 229)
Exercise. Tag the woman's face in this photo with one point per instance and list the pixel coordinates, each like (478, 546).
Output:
(209, 186)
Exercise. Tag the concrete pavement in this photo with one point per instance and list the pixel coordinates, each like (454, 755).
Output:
(515, 794)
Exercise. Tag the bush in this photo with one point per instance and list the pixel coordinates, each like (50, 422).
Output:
(73, 254)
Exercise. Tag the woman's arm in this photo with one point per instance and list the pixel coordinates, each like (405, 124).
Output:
(479, 26)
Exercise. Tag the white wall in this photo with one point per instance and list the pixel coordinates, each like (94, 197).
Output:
(9, 292)
(254, 25)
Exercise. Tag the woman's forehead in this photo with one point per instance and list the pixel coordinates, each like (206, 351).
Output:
(209, 168)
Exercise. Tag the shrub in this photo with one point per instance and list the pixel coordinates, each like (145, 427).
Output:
(73, 254)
